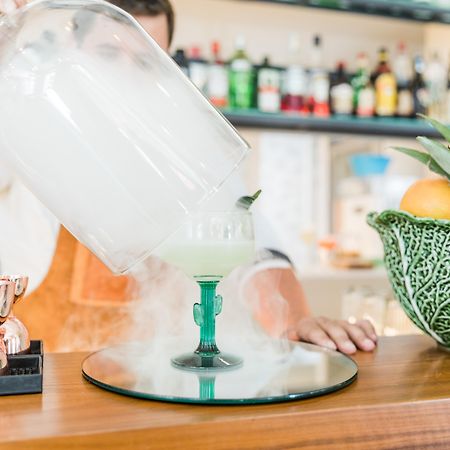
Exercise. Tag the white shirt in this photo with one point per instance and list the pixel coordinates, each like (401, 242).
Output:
(28, 232)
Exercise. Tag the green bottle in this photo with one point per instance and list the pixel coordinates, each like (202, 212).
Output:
(241, 78)
(361, 79)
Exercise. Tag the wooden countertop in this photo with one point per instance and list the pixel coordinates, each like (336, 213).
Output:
(401, 400)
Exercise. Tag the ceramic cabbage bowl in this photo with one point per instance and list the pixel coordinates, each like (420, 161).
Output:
(417, 257)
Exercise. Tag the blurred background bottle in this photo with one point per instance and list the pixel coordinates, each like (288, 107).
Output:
(217, 83)
(385, 86)
(295, 81)
(363, 92)
(320, 81)
(198, 68)
(180, 58)
(269, 83)
(436, 79)
(403, 70)
(419, 89)
(241, 77)
(341, 92)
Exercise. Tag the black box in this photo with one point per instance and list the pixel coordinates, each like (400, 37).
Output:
(24, 374)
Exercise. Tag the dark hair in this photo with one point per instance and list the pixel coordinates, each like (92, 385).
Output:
(149, 8)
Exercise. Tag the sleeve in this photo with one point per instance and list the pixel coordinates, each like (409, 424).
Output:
(270, 253)
(28, 235)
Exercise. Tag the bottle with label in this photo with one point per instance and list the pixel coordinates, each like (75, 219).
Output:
(363, 92)
(198, 68)
(294, 81)
(217, 83)
(385, 86)
(241, 76)
(366, 103)
(403, 70)
(180, 58)
(319, 82)
(402, 66)
(269, 83)
(421, 96)
(341, 92)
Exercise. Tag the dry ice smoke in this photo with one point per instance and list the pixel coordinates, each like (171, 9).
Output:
(163, 319)
(167, 297)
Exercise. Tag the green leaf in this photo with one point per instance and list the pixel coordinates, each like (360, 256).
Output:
(424, 158)
(439, 152)
(416, 154)
(436, 168)
(247, 201)
(443, 129)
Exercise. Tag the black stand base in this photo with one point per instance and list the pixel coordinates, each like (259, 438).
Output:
(24, 372)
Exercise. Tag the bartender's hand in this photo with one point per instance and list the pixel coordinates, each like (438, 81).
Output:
(282, 285)
(336, 334)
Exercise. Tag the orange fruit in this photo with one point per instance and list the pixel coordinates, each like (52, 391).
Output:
(428, 198)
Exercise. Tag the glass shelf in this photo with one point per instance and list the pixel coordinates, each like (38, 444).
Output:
(422, 11)
(377, 126)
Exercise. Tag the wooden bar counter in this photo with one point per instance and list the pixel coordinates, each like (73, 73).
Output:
(401, 400)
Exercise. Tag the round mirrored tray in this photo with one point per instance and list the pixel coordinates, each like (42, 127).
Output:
(302, 371)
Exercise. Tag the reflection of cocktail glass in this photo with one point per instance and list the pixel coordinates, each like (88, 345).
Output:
(207, 248)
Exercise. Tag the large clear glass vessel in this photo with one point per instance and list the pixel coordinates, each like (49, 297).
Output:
(104, 128)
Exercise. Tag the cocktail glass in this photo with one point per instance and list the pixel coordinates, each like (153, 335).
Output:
(207, 248)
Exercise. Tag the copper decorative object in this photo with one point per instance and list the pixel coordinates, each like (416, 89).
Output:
(16, 337)
(7, 298)
(3, 357)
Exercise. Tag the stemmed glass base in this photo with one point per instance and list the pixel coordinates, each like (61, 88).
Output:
(207, 356)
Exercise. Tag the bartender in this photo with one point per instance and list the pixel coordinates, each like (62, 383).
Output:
(28, 233)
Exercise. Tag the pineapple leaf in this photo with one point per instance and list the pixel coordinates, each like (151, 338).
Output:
(247, 201)
(424, 158)
(439, 152)
(416, 154)
(443, 129)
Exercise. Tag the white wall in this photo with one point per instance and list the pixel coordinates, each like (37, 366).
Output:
(437, 39)
(267, 28)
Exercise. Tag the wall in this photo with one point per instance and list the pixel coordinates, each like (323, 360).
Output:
(437, 39)
(267, 28)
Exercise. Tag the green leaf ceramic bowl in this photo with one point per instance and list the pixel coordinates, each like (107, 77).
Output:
(417, 257)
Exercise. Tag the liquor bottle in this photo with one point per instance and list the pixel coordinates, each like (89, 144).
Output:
(363, 92)
(180, 58)
(294, 81)
(366, 102)
(447, 113)
(319, 82)
(403, 70)
(402, 66)
(241, 76)
(217, 84)
(341, 92)
(198, 68)
(421, 96)
(436, 80)
(269, 82)
(385, 86)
